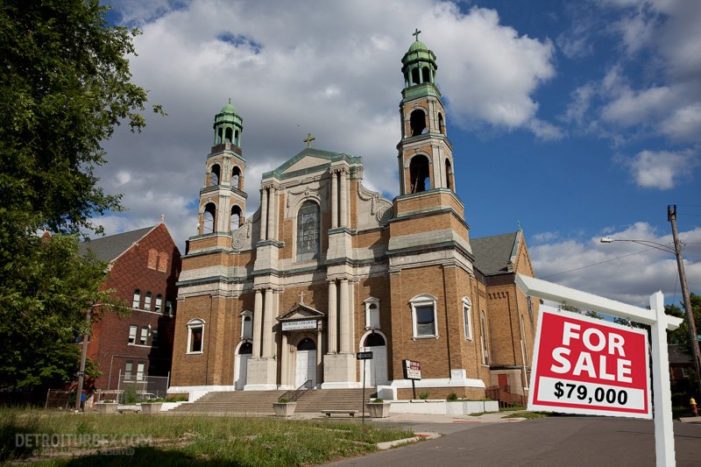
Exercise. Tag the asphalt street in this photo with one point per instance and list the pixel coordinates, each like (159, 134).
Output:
(552, 441)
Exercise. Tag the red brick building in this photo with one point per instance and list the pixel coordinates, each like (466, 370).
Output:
(143, 268)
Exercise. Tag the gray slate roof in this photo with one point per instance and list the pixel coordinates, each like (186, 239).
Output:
(492, 254)
(108, 248)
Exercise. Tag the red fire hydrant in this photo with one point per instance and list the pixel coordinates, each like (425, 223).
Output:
(694, 408)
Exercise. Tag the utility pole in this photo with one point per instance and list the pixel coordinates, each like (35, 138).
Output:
(672, 218)
(83, 358)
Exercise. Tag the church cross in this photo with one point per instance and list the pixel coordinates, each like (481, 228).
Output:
(301, 297)
(416, 34)
(309, 140)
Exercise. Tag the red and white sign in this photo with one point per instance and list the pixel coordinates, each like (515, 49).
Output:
(589, 366)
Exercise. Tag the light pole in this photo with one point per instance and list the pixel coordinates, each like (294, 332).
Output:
(676, 250)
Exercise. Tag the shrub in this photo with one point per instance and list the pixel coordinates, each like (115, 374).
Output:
(423, 395)
(377, 401)
(452, 397)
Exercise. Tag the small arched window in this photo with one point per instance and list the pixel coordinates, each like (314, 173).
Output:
(235, 218)
(147, 301)
(220, 135)
(214, 175)
(236, 178)
(228, 135)
(448, 174)
(308, 231)
(210, 217)
(418, 172)
(417, 121)
(372, 313)
(136, 299)
(467, 317)
(236, 138)
(441, 124)
(415, 78)
(426, 74)
(159, 303)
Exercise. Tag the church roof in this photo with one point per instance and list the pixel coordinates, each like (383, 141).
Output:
(493, 254)
(109, 247)
(323, 158)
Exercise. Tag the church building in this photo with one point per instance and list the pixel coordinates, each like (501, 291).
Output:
(326, 268)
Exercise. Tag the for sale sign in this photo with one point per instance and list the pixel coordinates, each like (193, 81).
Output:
(585, 365)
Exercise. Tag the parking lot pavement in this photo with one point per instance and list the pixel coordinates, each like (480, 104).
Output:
(552, 441)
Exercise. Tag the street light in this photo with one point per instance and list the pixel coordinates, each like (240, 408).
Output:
(676, 250)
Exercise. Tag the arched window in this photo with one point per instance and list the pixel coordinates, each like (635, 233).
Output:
(228, 135)
(195, 336)
(236, 178)
(159, 303)
(426, 74)
(220, 135)
(235, 218)
(214, 175)
(417, 121)
(374, 340)
(246, 348)
(236, 138)
(418, 171)
(415, 78)
(147, 301)
(306, 344)
(467, 317)
(308, 231)
(210, 217)
(483, 339)
(136, 300)
(441, 125)
(449, 174)
(424, 316)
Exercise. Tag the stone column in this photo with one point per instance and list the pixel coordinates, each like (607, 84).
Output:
(272, 208)
(334, 199)
(345, 330)
(344, 198)
(332, 328)
(268, 324)
(284, 364)
(257, 323)
(264, 214)
(319, 353)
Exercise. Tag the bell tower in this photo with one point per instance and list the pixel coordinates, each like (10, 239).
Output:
(425, 154)
(222, 198)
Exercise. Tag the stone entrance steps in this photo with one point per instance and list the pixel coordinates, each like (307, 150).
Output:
(261, 402)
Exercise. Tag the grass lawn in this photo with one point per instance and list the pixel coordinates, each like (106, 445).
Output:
(179, 440)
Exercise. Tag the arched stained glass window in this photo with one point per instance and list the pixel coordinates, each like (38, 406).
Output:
(308, 231)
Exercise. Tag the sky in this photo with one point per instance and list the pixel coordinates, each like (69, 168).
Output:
(571, 120)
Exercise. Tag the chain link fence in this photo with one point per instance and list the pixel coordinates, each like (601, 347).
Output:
(132, 389)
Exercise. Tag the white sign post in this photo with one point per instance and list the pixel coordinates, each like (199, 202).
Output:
(659, 323)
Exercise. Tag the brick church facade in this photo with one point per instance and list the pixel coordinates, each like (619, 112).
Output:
(143, 267)
(326, 268)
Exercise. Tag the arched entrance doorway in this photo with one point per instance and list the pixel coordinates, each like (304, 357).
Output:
(376, 368)
(241, 365)
(305, 367)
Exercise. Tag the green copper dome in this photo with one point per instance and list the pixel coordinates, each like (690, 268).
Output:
(228, 126)
(228, 108)
(418, 45)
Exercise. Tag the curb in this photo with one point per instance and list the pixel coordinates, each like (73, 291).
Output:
(400, 442)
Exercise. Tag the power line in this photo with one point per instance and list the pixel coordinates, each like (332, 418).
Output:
(593, 264)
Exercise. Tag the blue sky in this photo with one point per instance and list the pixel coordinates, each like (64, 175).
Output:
(573, 119)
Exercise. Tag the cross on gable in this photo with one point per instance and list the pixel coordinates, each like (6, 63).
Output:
(301, 297)
(309, 140)
(416, 34)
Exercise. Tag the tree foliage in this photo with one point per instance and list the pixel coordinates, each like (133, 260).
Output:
(64, 86)
(681, 334)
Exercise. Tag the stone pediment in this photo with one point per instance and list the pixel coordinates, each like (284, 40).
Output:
(306, 163)
(301, 311)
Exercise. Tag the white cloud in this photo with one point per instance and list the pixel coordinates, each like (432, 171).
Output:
(661, 169)
(331, 69)
(623, 271)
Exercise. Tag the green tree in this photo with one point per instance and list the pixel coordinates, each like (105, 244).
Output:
(64, 86)
(681, 334)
